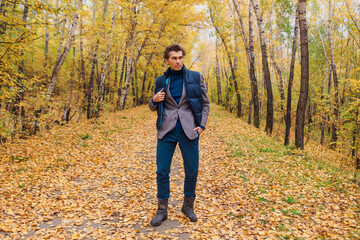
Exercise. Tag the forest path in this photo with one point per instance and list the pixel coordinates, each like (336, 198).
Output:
(96, 180)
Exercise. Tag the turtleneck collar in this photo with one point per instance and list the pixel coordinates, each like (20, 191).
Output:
(176, 73)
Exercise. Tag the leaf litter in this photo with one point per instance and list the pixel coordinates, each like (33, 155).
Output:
(97, 180)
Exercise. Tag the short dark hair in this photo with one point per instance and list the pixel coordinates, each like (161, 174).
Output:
(174, 47)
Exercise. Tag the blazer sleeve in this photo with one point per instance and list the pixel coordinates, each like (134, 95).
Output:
(152, 105)
(206, 103)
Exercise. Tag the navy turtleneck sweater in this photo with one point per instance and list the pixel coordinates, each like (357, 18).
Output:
(176, 84)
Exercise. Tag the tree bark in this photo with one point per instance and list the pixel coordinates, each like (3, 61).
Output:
(304, 86)
(291, 78)
(123, 73)
(254, 86)
(334, 136)
(217, 72)
(143, 86)
(82, 76)
(266, 71)
(67, 108)
(354, 62)
(92, 71)
(47, 34)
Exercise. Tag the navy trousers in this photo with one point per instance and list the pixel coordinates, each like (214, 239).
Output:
(164, 153)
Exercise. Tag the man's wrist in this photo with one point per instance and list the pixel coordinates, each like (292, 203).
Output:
(153, 103)
(202, 127)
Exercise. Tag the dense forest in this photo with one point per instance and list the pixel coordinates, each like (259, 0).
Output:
(290, 68)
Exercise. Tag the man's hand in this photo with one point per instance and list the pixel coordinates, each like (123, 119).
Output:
(199, 129)
(160, 96)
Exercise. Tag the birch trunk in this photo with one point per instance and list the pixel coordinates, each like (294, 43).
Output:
(105, 66)
(67, 108)
(218, 81)
(291, 78)
(266, 71)
(129, 75)
(304, 86)
(143, 93)
(254, 86)
(94, 49)
(47, 34)
(334, 136)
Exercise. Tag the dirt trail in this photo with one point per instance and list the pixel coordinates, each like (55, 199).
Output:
(96, 180)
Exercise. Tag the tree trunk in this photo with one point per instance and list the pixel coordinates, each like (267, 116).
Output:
(254, 86)
(249, 47)
(67, 108)
(143, 87)
(266, 71)
(67, 48)
(116, 69)
(47, 34)
(105, 66)
(291, 78)
(123, 73)
(61, 40)
(250, 110)
(218, 81)
(304, 86)
(129, 75)
(354, 62)
(82, 76)
(94, 49)
(334, 136)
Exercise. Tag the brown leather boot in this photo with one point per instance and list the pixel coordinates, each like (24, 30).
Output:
(161, 214)
(188, 208)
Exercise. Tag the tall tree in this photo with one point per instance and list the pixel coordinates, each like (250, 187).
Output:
(249, 47)
(334, 136)
(266, 70)
(291, 78)
(94, 49)
(217, 73)
(304, 86)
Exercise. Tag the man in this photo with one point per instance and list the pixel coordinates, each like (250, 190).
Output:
(183, 107)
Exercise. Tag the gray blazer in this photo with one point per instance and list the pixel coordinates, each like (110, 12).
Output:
(172, 111)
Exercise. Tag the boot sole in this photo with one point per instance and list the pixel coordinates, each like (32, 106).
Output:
(192, 220)
(156, 225)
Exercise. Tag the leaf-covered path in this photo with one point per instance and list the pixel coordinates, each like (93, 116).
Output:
(96, 180)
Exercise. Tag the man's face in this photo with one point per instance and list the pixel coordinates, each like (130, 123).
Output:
(175, 60)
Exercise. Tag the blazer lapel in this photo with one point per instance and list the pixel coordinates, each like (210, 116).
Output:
(183, 95)
(169, 94)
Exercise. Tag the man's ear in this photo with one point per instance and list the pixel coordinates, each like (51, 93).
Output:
(166, 60)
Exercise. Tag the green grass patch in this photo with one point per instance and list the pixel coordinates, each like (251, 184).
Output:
(267, 150)
(295, 212)
(19, 159)
(85, 136)
(290, 199)
(21, 170)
